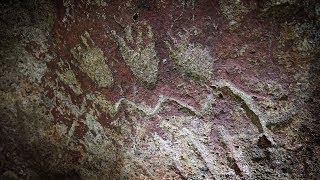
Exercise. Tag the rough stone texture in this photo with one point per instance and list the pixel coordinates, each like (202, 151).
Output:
(175, 89)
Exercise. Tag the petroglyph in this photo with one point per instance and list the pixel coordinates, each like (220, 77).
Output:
(192, 59)
(151, 111)
(69, 79)
(93, 62)
(142, 58)
(259, 118)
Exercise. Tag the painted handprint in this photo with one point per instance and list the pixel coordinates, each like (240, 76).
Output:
(92, 61)
(141, 57)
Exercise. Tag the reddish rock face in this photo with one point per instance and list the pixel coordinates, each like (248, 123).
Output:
(142, 89)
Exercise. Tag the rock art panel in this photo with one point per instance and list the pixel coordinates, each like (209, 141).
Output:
(175, 89)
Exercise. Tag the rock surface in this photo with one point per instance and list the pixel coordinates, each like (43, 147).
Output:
(175, 89)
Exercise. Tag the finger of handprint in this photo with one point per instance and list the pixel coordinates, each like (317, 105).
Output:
(84, 39)
(174, 40)
(128, 31)
(113, 33)
(119, 40)
(121, 43)
(168, 45)
(183, 38)
(139, 37)
(87, 35)
(76, 51)
(150, 32)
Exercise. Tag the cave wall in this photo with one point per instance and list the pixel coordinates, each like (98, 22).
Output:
(170, 89)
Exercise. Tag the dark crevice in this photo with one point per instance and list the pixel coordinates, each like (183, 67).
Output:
(233, 165)
(135, 16)
(264, 142)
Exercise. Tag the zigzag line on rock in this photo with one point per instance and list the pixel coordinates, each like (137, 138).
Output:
(149, 111)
